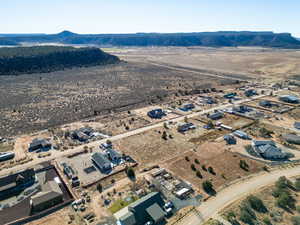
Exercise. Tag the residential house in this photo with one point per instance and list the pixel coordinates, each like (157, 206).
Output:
(265, 103)
(297, 125)
(156, 114)
(267, 149)
(15, 183)
(289, 99)
(241, 134)
(50, 196)
(185, 127)
(187, 107)
(250, 92)
(6, 156)
(230, 139)
(216, 116)
(230, 95)
(113, 156)
(292, 138)
(147, 209)
(39, 144)
(101, 162)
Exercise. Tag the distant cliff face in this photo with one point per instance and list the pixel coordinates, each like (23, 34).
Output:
(43, 59)
(212, 39)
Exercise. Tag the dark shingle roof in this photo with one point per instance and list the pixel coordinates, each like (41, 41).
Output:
(10, 181)
(51, 191)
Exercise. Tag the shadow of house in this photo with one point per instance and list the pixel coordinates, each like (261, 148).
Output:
(39, 144)
(13, 184)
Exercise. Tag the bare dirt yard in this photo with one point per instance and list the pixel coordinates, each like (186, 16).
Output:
(150, 148)
(257, 62)
(225, 164)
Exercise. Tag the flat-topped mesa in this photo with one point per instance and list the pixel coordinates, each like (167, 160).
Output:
(43, 59)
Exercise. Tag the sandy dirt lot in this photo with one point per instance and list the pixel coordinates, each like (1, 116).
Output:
(150, 148)
(255, 61)
(60, 217)
(22, 144)
(224, 163)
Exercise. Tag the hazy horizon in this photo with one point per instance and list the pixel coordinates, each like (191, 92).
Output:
(123, 16)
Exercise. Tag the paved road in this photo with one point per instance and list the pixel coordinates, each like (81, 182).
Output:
(214, 205)
(58, 154)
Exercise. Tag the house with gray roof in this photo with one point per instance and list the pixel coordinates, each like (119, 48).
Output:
(147, 209)
(216, 116)
(297, 125)
(101, 162)
(268, 150)
(50, 196)
(289, 99)
(241, 134)
(292, 138)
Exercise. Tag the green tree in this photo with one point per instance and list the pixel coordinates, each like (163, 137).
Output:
(297, 185)
(130, 173)
(193, 167)
(208, 187)
(256, 204)
(295, 220)
(99, 187)
(198, 174)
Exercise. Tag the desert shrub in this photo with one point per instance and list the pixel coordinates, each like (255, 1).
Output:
(197, 161)
(298, 208)
(193, 167)
(164, 135)
(247, 215)
(256, 204)
(211, 170)
(265, 132)
(244, 165)
(267, 221)
(99, 188)
(204, 167)
(208, 187)
(295, 220)
(198, 174)
(187, 158)
(297, 184)
(285, 201)
(130, 172)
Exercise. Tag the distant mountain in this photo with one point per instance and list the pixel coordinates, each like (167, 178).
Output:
(7, 42)
(212, 39)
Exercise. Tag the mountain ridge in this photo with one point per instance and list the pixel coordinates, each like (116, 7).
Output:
(210, 39)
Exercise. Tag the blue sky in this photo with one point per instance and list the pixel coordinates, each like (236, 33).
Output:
(130, 16)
